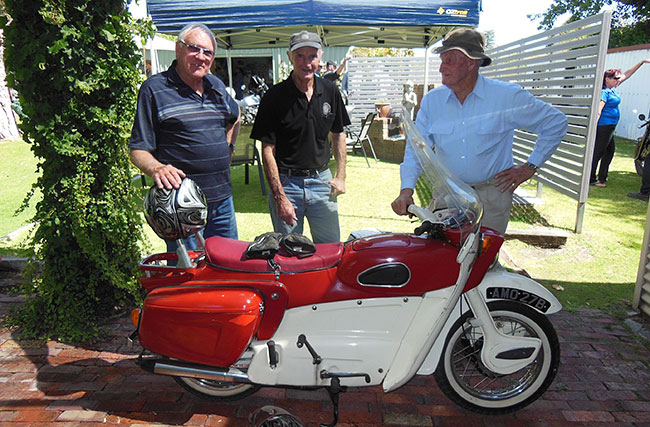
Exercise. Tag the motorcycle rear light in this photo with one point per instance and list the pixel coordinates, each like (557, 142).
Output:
(135, 316)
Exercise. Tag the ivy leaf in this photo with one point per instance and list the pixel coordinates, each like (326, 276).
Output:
(108, 35)
(57, 46)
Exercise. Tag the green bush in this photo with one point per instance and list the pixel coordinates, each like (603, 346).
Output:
(75, 66)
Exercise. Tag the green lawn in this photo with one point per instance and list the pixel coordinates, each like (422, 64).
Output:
(596, 268)
(18, 173)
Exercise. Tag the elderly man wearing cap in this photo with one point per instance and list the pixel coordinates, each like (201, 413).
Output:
(294, 120)
(470, 121)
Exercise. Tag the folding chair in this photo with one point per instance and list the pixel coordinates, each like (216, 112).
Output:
(355, 141)
(247, 154)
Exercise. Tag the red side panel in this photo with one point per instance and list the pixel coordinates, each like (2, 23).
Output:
(201, 324)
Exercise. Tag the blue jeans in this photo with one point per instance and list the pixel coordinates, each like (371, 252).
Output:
(221, 221)
(311, 198)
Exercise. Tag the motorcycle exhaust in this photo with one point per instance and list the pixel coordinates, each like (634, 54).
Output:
(177, 368)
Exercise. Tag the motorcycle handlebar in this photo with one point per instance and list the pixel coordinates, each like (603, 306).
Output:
(422, 213)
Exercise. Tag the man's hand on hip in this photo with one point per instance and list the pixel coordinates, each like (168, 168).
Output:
(168, 176)
(338, 186)
(403, 201)
(510, 179)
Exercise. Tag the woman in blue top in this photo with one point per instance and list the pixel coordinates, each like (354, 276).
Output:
(608, 116)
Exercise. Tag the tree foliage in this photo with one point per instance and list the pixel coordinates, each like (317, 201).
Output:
(75, 66)
(367, 52)
(630, 18)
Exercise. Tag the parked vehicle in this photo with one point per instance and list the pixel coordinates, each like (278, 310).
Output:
(251, 101)
(642, 145)
(374, 310)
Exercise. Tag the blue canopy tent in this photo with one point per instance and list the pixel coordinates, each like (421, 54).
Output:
(241, 24)
(253, 24)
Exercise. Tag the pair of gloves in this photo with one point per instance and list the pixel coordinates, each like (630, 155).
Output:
(266, 245)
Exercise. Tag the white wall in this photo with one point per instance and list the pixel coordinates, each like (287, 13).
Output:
(635, 92)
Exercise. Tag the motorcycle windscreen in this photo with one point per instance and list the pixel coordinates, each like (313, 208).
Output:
(456, 200)
(200, 324)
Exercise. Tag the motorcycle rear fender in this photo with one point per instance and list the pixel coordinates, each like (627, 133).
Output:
(504, 279)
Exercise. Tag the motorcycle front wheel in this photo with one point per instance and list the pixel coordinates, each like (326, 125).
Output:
(638, 165)
(216, 390)
(468, 382)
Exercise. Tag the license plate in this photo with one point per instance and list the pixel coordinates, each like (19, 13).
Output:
(518, 295)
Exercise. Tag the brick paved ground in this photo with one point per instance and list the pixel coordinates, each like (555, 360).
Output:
(603, 379)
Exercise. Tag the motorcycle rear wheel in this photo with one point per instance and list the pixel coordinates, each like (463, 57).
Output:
(465, 380)
(216, 390)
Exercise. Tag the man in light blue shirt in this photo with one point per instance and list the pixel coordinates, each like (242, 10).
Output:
(470, 122)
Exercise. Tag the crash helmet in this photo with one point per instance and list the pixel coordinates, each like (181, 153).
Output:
(273, 416)
(176, 213)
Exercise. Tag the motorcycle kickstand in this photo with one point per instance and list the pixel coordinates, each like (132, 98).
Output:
(334, 390)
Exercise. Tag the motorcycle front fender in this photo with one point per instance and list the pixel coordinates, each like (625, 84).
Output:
(503, 285)
(500, 285)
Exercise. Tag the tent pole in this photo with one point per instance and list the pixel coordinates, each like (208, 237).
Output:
(229, 65)
(426, 72)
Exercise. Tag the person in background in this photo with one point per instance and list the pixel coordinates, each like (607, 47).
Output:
(409, 98)
(608, 117)
(644, 191)
(147, 68)
(294, 120)
(470, 120)
(186, 124)
(333, 73)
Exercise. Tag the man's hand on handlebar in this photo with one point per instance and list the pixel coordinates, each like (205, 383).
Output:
(403, 201)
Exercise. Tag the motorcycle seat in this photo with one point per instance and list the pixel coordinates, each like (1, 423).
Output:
(230, 254)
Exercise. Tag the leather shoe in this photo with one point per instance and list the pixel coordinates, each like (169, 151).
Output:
(640, 196)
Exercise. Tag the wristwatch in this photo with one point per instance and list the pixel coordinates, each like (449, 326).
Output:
(532, 166)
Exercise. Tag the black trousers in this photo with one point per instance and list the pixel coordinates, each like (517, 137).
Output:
(603, 152)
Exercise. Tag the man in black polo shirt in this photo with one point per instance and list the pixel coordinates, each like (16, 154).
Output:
(293, 122)
(186, 125)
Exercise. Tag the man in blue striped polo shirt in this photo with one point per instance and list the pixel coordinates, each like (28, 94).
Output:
(186, 124)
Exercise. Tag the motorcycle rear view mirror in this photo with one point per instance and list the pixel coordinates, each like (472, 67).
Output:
(641, 116)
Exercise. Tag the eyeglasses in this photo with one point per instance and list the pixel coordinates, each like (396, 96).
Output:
(614, 77)
(195, 50)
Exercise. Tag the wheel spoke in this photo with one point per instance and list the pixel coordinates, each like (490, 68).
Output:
(476, 377)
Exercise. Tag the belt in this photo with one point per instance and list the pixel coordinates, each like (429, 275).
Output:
(481, 185)
(301, 172)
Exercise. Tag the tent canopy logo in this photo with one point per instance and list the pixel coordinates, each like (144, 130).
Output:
(453, 12)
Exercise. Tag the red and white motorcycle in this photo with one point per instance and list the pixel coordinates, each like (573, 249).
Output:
(375, 310)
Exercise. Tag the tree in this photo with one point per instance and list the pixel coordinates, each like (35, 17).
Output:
(489, 39)
(630, 18)
(381, 51)
(75, 66)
